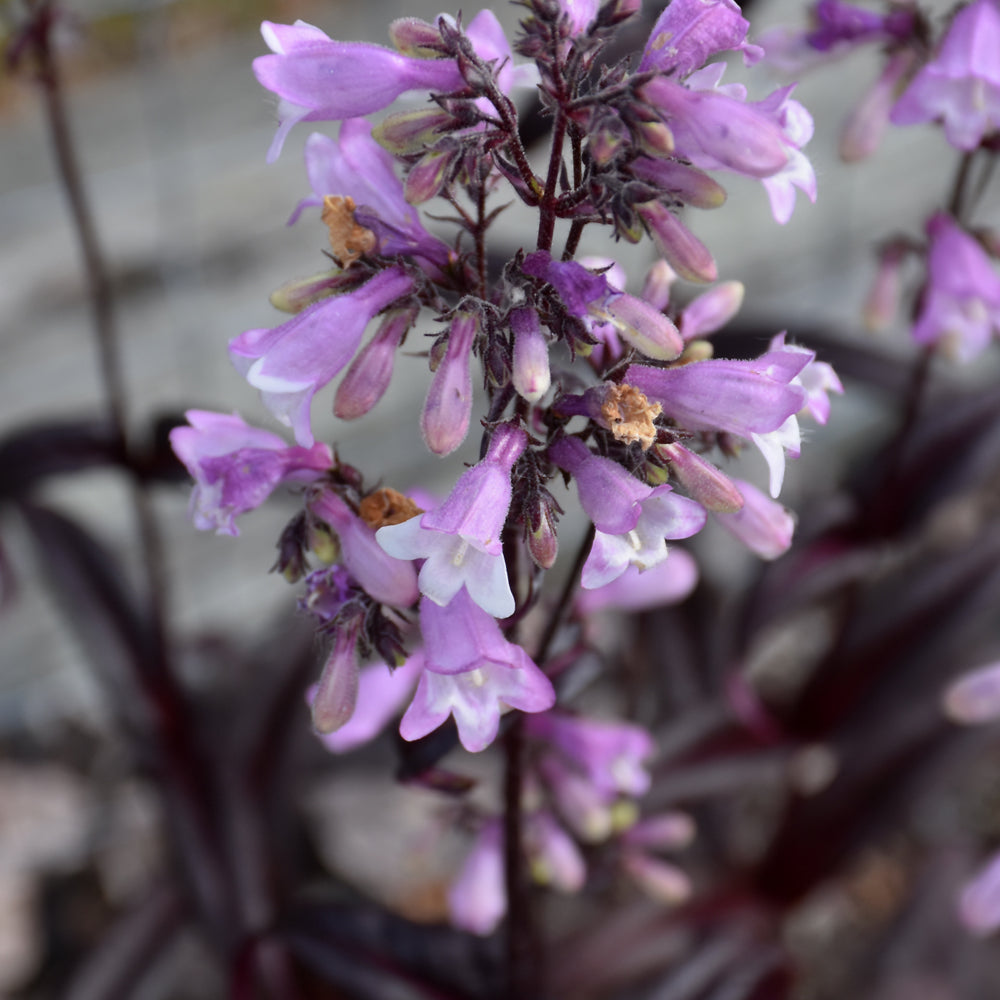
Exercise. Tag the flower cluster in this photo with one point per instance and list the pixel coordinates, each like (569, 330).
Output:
(955, 83)
(616, 394)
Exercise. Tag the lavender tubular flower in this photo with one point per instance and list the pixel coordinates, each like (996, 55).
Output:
(319, 79)
(291, 362)
(471, 672)
(236, 467)
(961, 85)
(460, 541)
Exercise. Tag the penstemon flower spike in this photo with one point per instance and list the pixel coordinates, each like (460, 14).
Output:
(438, 591)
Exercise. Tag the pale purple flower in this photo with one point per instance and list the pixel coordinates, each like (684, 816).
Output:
(762, 524)
(961, 85)
(381, 694)
(796, 125)
(741, 397)
(477, 899)
(386, 579)
(448, 407)
(610, 496)
(291, 362)
(236, 467)
(689, 32)
(610, 754)
(664, 515)
(669, 582)
(960, 306)
(319, 79)
(354, 165)
(471, 672)
(461, 541)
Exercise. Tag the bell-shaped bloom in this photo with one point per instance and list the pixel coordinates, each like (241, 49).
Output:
(448, 407)
(664, 515)
(689, 32)
(961, 85)
(960, 307)
(354, 165)
(477, 899)
(236, 467)
(610, 754)
(291, 362)
(610, 496)
(461, 541)
(381, 694)
(741, 397)
(669, 582)
(761, 524)
(386, 579)
(319, 79)
(471, 672)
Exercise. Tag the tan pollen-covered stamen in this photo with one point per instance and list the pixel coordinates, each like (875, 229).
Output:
(629, 415)
(387, 506)
(348, 239)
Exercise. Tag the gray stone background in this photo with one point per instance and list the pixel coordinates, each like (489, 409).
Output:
(192, 220)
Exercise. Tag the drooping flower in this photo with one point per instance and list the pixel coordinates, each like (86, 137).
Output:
(291, 362)
(471, 672)
(236, 467)
(664, 515)
(460, 541)
(960, 307)
(961, 85)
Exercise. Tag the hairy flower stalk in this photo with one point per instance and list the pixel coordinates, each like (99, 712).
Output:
(579, 380)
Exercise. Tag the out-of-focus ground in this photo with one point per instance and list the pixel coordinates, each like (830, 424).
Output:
(172, 130)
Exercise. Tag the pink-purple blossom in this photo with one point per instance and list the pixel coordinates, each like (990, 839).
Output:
(291, 362)
(236, 467)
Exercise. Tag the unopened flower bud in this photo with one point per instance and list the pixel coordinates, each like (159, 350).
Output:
(368, 376)
(665, 832)
(660, 880)
(413, 37)
(293, 296)
(543, 543)
(605, 142)
(866, 124)
(711, 310)
(685, 253)
(555, 858)
(337, 692)
(644, 327)
(410, 131)
(763, 525)
(324, 544)
(681, 181)
(655, 138)
(428, 175)
(445, 420)
(697, 350)
(703, 481)
(291, 562)
(532, 377)
(656, 287)
(615, 11)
